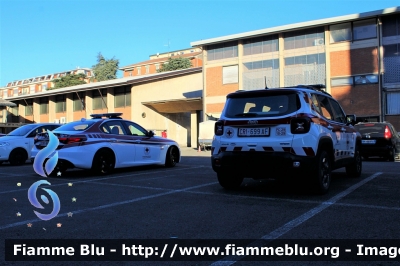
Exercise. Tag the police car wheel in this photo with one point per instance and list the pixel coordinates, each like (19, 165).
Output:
(18, 157)
(323, 173)
(354, 169)
(103, 162)
(229, 180)
(172, 157)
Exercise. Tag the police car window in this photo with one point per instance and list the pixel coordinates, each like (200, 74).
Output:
(326, 109)
(339, 115)
(36, 131)
(113, 127)
(135, 130)
(76, 126)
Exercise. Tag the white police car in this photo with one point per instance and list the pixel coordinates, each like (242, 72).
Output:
(104, 144)
(16, 146)
(292, 132)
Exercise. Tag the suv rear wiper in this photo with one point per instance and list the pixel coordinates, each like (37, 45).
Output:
(247, 115)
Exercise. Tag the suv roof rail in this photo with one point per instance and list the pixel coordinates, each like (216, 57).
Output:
(316, 87)
(107, 115)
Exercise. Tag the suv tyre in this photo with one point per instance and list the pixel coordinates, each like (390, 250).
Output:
(322, 173)
(354, 169)
(229, 180)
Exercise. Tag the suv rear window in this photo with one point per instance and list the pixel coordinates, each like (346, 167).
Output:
(377, 130)
(76, 126)
(262, 106)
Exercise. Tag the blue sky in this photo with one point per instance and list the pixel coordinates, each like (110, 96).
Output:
(48, 36)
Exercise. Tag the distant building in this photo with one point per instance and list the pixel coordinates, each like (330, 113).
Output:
(39, 83)
(155, 62)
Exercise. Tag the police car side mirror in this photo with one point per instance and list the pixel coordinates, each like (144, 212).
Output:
(351, 119)
(150, 133)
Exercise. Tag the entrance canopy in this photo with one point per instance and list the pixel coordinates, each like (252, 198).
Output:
(176, 105)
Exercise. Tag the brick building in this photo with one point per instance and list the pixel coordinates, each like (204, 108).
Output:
(357, 58)
(155, 62)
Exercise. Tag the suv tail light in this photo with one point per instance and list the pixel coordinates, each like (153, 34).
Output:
(219, 128)
(388, 134)
(300, 125)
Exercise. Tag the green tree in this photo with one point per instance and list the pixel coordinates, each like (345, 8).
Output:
(105, 69)
(69, 80)
(175, 64)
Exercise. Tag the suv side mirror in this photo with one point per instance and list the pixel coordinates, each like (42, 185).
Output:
(351, 119)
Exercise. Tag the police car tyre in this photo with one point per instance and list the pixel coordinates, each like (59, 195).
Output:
(323, 173)
(229, 180)
(103, 162)
(172, 156)
(18, 157)
(58, 170)
(354, 169)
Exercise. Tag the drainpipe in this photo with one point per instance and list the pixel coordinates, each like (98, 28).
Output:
(382, 93)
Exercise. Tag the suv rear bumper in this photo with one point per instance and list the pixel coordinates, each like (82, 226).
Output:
(259, 165)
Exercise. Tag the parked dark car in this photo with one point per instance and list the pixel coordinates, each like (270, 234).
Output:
(379, 139)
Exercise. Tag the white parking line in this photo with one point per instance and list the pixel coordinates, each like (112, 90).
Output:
(111, 205)
(101, 179)
(299, 220)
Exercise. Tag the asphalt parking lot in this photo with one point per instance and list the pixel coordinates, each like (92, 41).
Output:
(186, 202)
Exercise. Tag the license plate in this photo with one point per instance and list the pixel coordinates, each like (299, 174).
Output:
(368, 141)
(254, 132)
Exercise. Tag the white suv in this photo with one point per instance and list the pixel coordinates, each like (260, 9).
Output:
(291, 132)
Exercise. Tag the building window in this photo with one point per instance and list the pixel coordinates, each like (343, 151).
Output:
(305, 69)
(304, 38)
(230, 74)
(393, 106)
(99, 100)
(157, 66)
(122, 97)
(260, 45)
(340, 32)
(222, 51)
(346, 81)
(14, 110)
(354, 31)
(60, 104)
(259, 74)
(139, 70)
(390, 26)
(355, 80)
(78, 101)
(29, 107)
(365, 29)
(44, 105)
(147, 69)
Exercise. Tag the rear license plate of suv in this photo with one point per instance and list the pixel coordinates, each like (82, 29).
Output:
(254, 132)
(368, 141)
